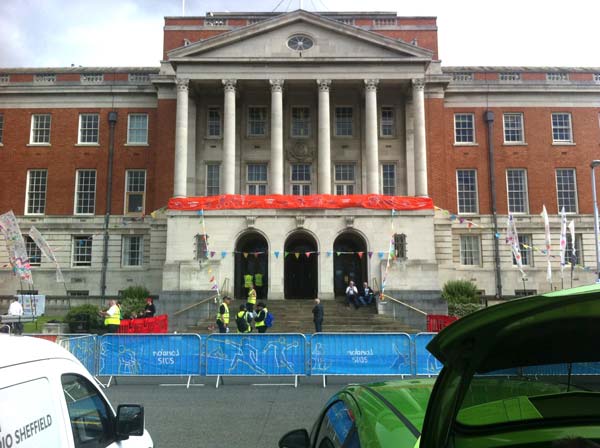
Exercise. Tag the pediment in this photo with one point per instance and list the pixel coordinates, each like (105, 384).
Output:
(268, 40)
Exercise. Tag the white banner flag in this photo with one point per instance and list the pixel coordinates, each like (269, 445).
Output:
(563, 240)
(548, 242)
(41, 242)
(512, 238)
(571, 227)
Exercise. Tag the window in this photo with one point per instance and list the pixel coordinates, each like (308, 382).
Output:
(300, 174)
(300, 43)
(139, 77)
(1, 128)
(133, 251)
(82, 250)
(466, 188)
(337, 428)
(566, 190)
(300, 121)
(257, 121)
(561, 128)
(213, 179)
(85, 192)
(464, 128)
(462, 76)
(400, 246)
(557, 76)
(257, 178)
(36, 192)
(89, 129)
(78, 293)
(4, 78)
(40, 129)
(213, 122)
(387, 122)
(513, 128)
(91, 418)
(33, 252)
(526, 248)
(92, 78)
(137, 129)
(516, 187)
(344, 178)
(578, 258)
(343, 122)
(135, 193)
(509, 76)
(44, 78)
(388, 178)
(470, 250)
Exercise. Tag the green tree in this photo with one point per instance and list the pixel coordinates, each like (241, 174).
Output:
(133, 301)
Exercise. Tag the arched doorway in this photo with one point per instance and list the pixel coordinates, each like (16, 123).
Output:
(251, 257)
(301, 273)
(348, 263)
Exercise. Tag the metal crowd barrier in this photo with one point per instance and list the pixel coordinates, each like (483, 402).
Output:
(83, 347)
(256, 355)
(360, 354)
(425, 363)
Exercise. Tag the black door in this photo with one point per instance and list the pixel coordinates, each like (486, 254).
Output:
(300, 269)
(347, 263)
(251, 257)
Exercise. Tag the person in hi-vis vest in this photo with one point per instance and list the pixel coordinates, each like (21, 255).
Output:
(251, 300)
(258, 285)
(223, 315)
(112, 317)
(248, 280)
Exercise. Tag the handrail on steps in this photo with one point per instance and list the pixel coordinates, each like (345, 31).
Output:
(215, 297)
(385, 296)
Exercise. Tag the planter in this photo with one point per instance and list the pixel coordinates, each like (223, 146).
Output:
(58, 328)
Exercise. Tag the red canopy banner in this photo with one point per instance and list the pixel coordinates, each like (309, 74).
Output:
(315, 201)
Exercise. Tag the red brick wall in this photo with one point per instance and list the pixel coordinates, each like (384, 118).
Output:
(539, 157)
(63, 158)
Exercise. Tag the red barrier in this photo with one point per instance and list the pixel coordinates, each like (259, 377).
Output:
(314, 201)
(437, 322)
(158, 324)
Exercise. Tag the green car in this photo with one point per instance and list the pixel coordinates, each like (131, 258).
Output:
(522, 374)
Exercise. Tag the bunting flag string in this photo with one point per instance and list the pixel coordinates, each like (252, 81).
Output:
(454, 217)
(554, 257)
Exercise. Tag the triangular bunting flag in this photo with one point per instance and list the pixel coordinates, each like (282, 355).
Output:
(200, 212)
(276, 254)
(215, 286)
(245, 254)
(329, 253)
(307, 254)
(212, 253)
(338, 253)
(256, 254)
(360, 254)
(297, 254)
(370, 254)
(212, 279)
(223, 254)
(285, 254)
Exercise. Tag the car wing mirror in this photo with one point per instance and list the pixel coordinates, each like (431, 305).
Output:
(130, 421)
(297, 438)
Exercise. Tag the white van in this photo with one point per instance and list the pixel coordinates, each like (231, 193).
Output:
(48, 399)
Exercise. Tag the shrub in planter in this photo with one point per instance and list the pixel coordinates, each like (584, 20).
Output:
(460, 291)
(462, 309)
(133, 301)
(84, 318)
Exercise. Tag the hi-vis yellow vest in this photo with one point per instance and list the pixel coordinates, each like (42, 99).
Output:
(252, 296)
(262, 322)
(225, 315)
(115, 319)
(244, 315)
(258, 279)
(248, 281)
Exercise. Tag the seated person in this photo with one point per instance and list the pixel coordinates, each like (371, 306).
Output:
(351, 295)
(368, 295)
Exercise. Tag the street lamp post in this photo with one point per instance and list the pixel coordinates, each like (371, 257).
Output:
(593, 165)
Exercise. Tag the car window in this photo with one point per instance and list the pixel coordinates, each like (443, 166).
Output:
(337, 428)
(91, 418)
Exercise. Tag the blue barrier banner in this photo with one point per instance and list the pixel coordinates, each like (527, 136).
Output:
(149, 354)
(360, 354)
(83, 348)
(255, 354)
(426, 363)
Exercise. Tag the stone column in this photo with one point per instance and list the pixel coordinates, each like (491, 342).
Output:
(181, 138)
(229, 137)
(324, 141)
(276, 163)
(371, 136)
(418, 91)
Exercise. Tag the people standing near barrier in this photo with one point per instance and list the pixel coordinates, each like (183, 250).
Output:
(251, 300)
(223, 315)
(149, 309)
(258, 285)
(248, 280)
(351, 295)
(261, 317)
(16, 309)
(318, 314)
(112, 316)
(243, 320)
(368, 295)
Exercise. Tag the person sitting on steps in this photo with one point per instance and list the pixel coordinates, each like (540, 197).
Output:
(352, 295)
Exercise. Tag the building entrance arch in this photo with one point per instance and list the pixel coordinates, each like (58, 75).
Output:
(348, 263)
(251, 258)
(301, 273)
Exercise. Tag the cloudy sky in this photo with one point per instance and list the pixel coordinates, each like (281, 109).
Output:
(54, 33)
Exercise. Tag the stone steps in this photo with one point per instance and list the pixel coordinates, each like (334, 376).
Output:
(295, 316)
